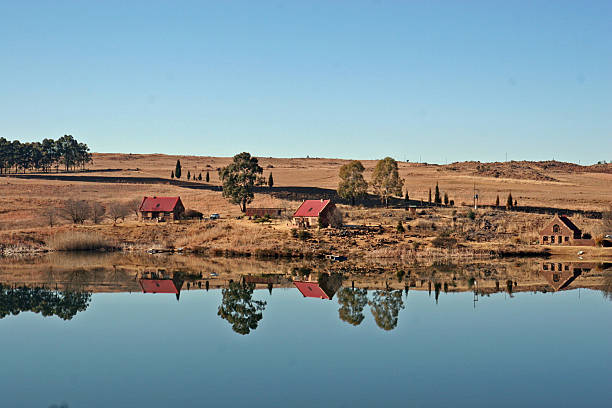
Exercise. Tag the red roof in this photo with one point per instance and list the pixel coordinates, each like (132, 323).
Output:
(311, 289)
(165, 204)
(311, 208)
(158, 286)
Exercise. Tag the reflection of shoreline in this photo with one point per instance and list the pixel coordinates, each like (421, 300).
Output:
(112, 273)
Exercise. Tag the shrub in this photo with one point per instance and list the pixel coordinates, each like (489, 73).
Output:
(304, 235)
(80, 241)
(400, 227)
(471, 215)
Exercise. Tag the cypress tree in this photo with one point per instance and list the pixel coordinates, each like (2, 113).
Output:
(270, 181)
(437, 198)
(509, 202)
(207, 177)
(445, 199)
(177, 170)
(407, 197)
(497, 201)
(429, 196)
(188, 175)
(172, 174)
(200, 177)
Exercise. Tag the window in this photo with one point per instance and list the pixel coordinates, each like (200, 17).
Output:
(545, 267)
(566, 239)
(556, 228)
(545, 239)
(552, 239)
(556, 277)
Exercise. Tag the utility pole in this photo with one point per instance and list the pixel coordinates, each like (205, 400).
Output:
(475, 197)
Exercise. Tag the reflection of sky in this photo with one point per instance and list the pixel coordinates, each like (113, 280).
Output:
(131, 350)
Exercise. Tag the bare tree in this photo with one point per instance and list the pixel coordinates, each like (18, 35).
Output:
(76, 211)
(134, 205)
(97, 212)
(118, 210)
(50, 215)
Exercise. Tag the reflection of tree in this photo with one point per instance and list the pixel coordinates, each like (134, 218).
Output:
(385, 306)
(44, 301)
(607, 288)
(239, 309)
(352, 302)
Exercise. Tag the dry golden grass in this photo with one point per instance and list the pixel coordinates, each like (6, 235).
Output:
(80, 241)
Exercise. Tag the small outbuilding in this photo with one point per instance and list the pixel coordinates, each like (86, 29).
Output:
(263, 212)
(313, 213)
(562, 231)
(161, 208)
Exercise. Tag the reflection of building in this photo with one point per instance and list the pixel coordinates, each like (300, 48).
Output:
(561, 231)
(166, 285)
(325, 287)
(560, 275)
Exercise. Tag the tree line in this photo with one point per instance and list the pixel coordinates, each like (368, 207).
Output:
(65, 152)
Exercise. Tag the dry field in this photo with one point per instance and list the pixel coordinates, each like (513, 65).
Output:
(23, 201)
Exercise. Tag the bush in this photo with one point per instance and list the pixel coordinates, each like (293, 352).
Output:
(471, 215)
(304, 235)
(80, 241)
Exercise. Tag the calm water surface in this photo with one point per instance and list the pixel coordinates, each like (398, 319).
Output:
(150, 350)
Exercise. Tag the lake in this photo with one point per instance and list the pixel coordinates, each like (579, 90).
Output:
(80, 332)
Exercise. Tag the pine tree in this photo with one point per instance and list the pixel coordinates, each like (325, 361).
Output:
(445, 199)
(437, 198)
(407, 197)
(497, 201)
(200, 177)
(207, 177)
(509, 202)
(188, 175)
(514, 203)
(429, 196)
(270, 181)
(177, 170)
(172, 174)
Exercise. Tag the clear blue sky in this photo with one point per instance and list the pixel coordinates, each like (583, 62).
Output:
(444, 81)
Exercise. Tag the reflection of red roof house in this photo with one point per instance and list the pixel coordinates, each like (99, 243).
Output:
(158, 286)
(161, 207)
(311, 289)
(313, 212)
(325, 288)
(161, 286)
(561, 275)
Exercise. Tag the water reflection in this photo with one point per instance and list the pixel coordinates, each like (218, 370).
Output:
(64, 305)
(385, 307)
(239, 308)
(352, 301)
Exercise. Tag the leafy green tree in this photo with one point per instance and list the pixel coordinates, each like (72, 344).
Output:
(177, 169)
(386, 180)
(239, 308)
(385, 306)
(63, 304)
(352, 302)
(270, 181)
(352, 184)
(239, 178)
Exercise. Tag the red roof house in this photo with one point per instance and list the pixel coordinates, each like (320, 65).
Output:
(161, 208)
(313, 213)
(562, 231)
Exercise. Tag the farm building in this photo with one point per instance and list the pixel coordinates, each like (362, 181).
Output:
(262, 212)
(161, 208)
(560, 275)
(562, 231)
(313, 213)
